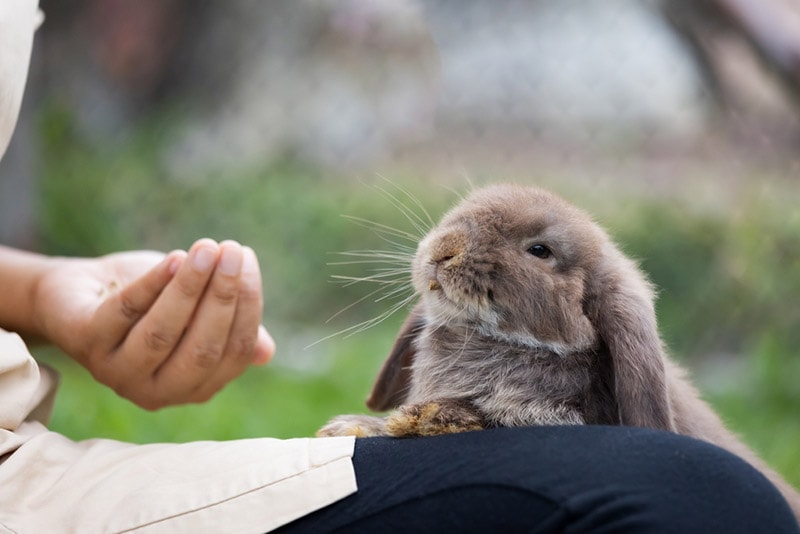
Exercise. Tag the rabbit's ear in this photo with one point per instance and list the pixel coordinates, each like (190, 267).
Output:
(391, 386)
(621, 308)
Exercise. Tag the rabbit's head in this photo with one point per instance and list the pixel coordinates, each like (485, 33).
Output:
(523, 266)
(512, 262)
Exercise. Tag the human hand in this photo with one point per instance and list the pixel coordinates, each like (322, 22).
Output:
(159, 329)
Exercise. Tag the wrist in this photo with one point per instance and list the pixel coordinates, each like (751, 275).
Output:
(41, 305)
(21, 274)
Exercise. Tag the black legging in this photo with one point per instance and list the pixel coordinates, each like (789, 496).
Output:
(552, 479)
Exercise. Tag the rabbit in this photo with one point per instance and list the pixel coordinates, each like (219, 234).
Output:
(529, 314)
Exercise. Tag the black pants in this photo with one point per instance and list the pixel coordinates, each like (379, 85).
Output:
(552, 479)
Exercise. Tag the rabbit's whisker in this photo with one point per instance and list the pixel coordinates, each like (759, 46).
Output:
(429, 222)
(396, 291)
(403, 252)
(379, 278)
(378, 259)
(360, 300)
(416, 221)
(383, 229)
(393, 279)
(369, 323)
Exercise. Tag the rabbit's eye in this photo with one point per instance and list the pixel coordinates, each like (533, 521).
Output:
(540, 251)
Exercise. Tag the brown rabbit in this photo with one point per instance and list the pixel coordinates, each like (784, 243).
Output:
(528, 314)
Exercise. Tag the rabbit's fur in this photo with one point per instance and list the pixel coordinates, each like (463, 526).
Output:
(528, 314)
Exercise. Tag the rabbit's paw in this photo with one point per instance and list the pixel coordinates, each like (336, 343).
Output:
(433, 418)
(360, 426)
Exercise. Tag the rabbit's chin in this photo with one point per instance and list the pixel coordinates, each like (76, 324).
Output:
(446, 300)
(441, 312)
(444, 311)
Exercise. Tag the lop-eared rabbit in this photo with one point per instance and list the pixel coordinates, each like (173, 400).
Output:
(528, 314)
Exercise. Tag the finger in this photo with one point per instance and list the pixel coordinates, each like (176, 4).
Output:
(116, 316)
(159, 331)
(200, 354)
(265, 349)
(244, 340)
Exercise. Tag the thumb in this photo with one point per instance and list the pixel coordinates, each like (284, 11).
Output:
(122, 309)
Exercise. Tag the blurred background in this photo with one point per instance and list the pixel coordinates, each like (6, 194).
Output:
(283, 124)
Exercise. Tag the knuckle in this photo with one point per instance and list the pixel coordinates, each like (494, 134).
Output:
(206, 356)
(243, 347)
(159, 341)
(250, 296)
(250, 303)
(189, 287)
(226, 294)
(128, 308)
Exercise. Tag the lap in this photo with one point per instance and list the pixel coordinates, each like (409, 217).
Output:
(553, 479)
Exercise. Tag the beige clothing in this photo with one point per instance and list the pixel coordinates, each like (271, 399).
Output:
(18, 20)
(49, 483)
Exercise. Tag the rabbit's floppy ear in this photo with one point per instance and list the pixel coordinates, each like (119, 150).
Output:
(620, 305)
(391, 386)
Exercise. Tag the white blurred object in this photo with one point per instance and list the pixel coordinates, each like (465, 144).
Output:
(567, 68)
(18, 20)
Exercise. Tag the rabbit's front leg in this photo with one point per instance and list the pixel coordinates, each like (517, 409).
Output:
(433, 418)
(360, 426)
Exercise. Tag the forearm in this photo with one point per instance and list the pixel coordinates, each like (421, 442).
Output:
(20, 273)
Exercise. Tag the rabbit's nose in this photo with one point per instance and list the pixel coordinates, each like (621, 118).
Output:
(447, 257)
(443, 258)
(449, 251)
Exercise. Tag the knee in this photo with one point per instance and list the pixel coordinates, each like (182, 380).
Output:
(631, 478)
(660, 481)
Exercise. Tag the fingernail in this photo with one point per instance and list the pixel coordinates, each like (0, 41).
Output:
(174, 261)
(231, 261)
(203, 258)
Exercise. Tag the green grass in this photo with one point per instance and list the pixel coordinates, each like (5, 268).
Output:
(729, 282)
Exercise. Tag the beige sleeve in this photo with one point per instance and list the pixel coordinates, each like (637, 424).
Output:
(26, 390)
(49, 483)
(52, 484)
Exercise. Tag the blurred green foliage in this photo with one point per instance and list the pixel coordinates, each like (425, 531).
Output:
(725, 280)
(728, 283)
